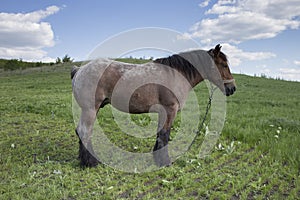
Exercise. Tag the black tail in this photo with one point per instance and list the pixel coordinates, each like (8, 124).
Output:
(74, 70)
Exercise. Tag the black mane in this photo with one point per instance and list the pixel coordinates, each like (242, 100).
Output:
(180, 64)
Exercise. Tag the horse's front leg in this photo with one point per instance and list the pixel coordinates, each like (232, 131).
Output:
(84, 130)
(160, 150)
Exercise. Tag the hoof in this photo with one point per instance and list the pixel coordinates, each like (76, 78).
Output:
(162, 158)
(90, 162)
(86, 157)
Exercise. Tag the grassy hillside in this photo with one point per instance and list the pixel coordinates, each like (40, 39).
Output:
(257, 156)
(14, 64)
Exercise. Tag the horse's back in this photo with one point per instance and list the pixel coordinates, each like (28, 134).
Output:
(85, 82)
(139, 86)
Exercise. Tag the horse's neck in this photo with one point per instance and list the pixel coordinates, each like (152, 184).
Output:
(197, 78)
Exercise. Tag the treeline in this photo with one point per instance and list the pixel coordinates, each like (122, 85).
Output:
(15, 64)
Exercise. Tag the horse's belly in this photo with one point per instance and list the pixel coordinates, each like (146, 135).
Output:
(141, 101)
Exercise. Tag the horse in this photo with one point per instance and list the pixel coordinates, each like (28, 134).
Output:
(159, 86)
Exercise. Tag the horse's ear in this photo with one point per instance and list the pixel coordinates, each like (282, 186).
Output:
(217, 50)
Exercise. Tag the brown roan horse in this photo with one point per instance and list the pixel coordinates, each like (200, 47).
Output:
(160, 86)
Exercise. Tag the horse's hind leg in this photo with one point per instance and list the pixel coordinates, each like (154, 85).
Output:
(84, 131)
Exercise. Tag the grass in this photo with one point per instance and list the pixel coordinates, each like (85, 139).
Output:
(257, 156)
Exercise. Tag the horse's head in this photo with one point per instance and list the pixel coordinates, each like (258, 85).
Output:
(221, 62)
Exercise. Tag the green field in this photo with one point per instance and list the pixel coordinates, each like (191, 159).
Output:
(257, 156)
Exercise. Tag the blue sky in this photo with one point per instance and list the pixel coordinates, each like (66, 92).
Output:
(259, 37)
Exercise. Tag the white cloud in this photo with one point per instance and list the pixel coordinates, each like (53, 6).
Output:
(297, 62)
(232, 22)
(277, 9)
(235, 21)
(263, 69)
(222, 7)
(204, 3)
(237, 27)
(236, 56)
(23, 35)
(290, 73)
(22, 52)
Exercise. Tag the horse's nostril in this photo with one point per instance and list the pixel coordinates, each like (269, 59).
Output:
(230, 90)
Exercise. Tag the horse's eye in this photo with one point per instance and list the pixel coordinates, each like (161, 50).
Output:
(225, 65)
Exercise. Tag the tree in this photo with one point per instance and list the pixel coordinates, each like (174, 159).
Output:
(12, 64)
(67, 59)
(58, 60)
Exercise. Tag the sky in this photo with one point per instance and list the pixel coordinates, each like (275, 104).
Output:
(259, 37)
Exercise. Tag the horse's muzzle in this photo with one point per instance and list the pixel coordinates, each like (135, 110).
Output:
(230, 87)
(229, 90)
